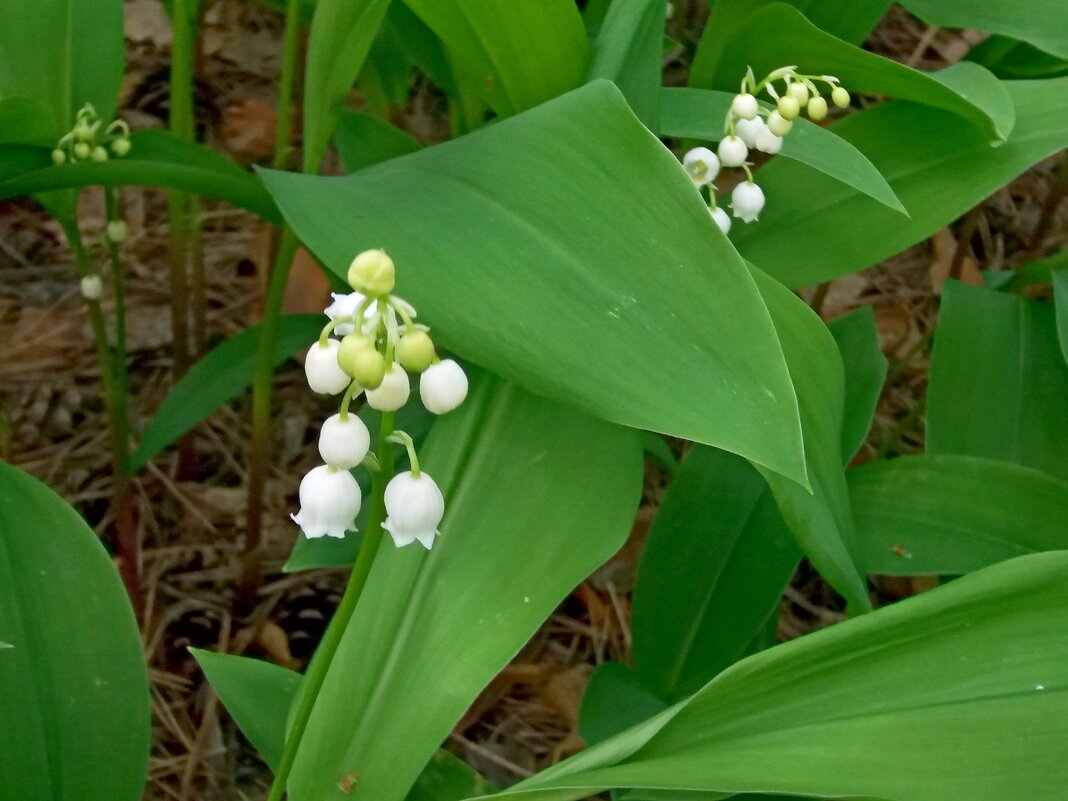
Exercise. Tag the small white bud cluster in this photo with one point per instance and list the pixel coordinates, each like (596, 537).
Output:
(86, 142)
(746, 129)
(380, 344)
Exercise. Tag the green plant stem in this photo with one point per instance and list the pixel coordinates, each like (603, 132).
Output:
(320, 665)
(287, 82)
(121, 384)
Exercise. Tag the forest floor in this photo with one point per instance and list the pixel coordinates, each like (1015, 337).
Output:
(191, 528)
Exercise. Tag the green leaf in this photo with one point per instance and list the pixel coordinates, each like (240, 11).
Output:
(363, 140)
(1060, 299)
(720, 538)
(26, 121)
(521, 476)
(1011, 59)
(865, 371)
(778, 34)
(218, 378)
(998, 384)
(958, 694)
(814, 229)
(75, 703)
(953, 514)
(615, 699)
(156, 158)
(448, 778)
(341, 35)
(492, 41)
(821, 520)
(535, 246)
(1040, 22)
(628, 53)
(699, 114)
(257, 695)
(63, 53)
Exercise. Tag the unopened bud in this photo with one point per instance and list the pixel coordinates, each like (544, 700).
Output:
(83, 131)
(368, 368)
(817, 109)
(789, 107)
(92, 287)
(372, 273)
(415, 351)
(99, 154)
(58, 157)
(82, 151)
(799, 92)
(117, 231)
(120, 147)
(778, 124)
(840, 97)
(744, 106)
(351, 346)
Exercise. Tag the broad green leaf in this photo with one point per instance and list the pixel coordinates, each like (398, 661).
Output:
(217, 378)
(998, 385)
(363, 140)
(341, 35)
(387, 72)
(534, 247)
(615, 699)
(628, 53)
(421, 45)
(848, 21)
(953, 514)
(156, 158)
(1013, 60)
(526, 481)
(865, 371)
(720, 538)
(448, 778)
(814, 228)
(26, 121)
(493, 42)
(1060, 299)
(958, 694)
(1043, 23)
(75, 700)
(699, 114)
(778, 34)
(820, 520)
(257, 695)
(63, 53)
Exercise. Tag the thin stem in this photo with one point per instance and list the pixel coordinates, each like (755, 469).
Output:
(346, 399)
(285, 88)
(405, 439)
(320, 664)
(111, 199)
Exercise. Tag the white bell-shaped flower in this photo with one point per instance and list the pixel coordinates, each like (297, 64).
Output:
(732, 151)
(345, 306)
(749, 130)
(767, 142)
(443, 386)
(344, 443)
(329, 502)
(721, 218)
(702, 165)
(414, 508)
(747, 200)
(745, 106)
(325, 375)
(392, 393)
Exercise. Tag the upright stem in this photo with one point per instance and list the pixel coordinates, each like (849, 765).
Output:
(288, 81)
(121, 385)
(320, 664)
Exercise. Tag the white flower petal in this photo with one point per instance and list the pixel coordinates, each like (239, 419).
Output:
(324, 374)
(344, 443)
(443, 386)
(414, 508)
(329, 502)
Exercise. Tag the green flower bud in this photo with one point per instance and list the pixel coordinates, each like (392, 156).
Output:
(351, 346)
(82, 151)
(120, 147)
(83, 131)
(368, 368)
(778, 124)
(817, 109)
(58, 157)
(789, 107)
(799, 92)
(840, 97)
(415, 351)
(372, 273)
(99, 154)
(117, 231)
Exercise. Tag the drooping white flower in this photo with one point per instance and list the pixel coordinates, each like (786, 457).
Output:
(732, 151)
(721, 218)
(750, 130)
(414, 508)
(747, 200)
(702, 165)
(392, 393)
(344, 443)
(744, 106)
(767, 142)
(325, 375)
(329, 502)
(443, 386)
(345, 306)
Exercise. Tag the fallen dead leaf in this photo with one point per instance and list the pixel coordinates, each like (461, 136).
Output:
(943, 251)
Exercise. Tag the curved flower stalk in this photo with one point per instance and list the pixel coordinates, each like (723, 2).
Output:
(749, 126)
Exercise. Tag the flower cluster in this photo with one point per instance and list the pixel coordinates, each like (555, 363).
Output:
(380, 343)
(749, 125)
(86, 142)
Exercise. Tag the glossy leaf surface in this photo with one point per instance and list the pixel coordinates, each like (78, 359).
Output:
(865, 371)
(1040, 22)
(628, 52)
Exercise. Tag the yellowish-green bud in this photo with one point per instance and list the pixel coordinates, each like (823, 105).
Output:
(117, 231)
(817, 109)
(840, 97)
(120, 147)
(82, 151)
(351, 346)
(372, 273)
(799, 92)
(58, 157)
(789, 107)
(98, 154)
(415, 351)
(368, 368)
(778, 124)
(83, 131)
